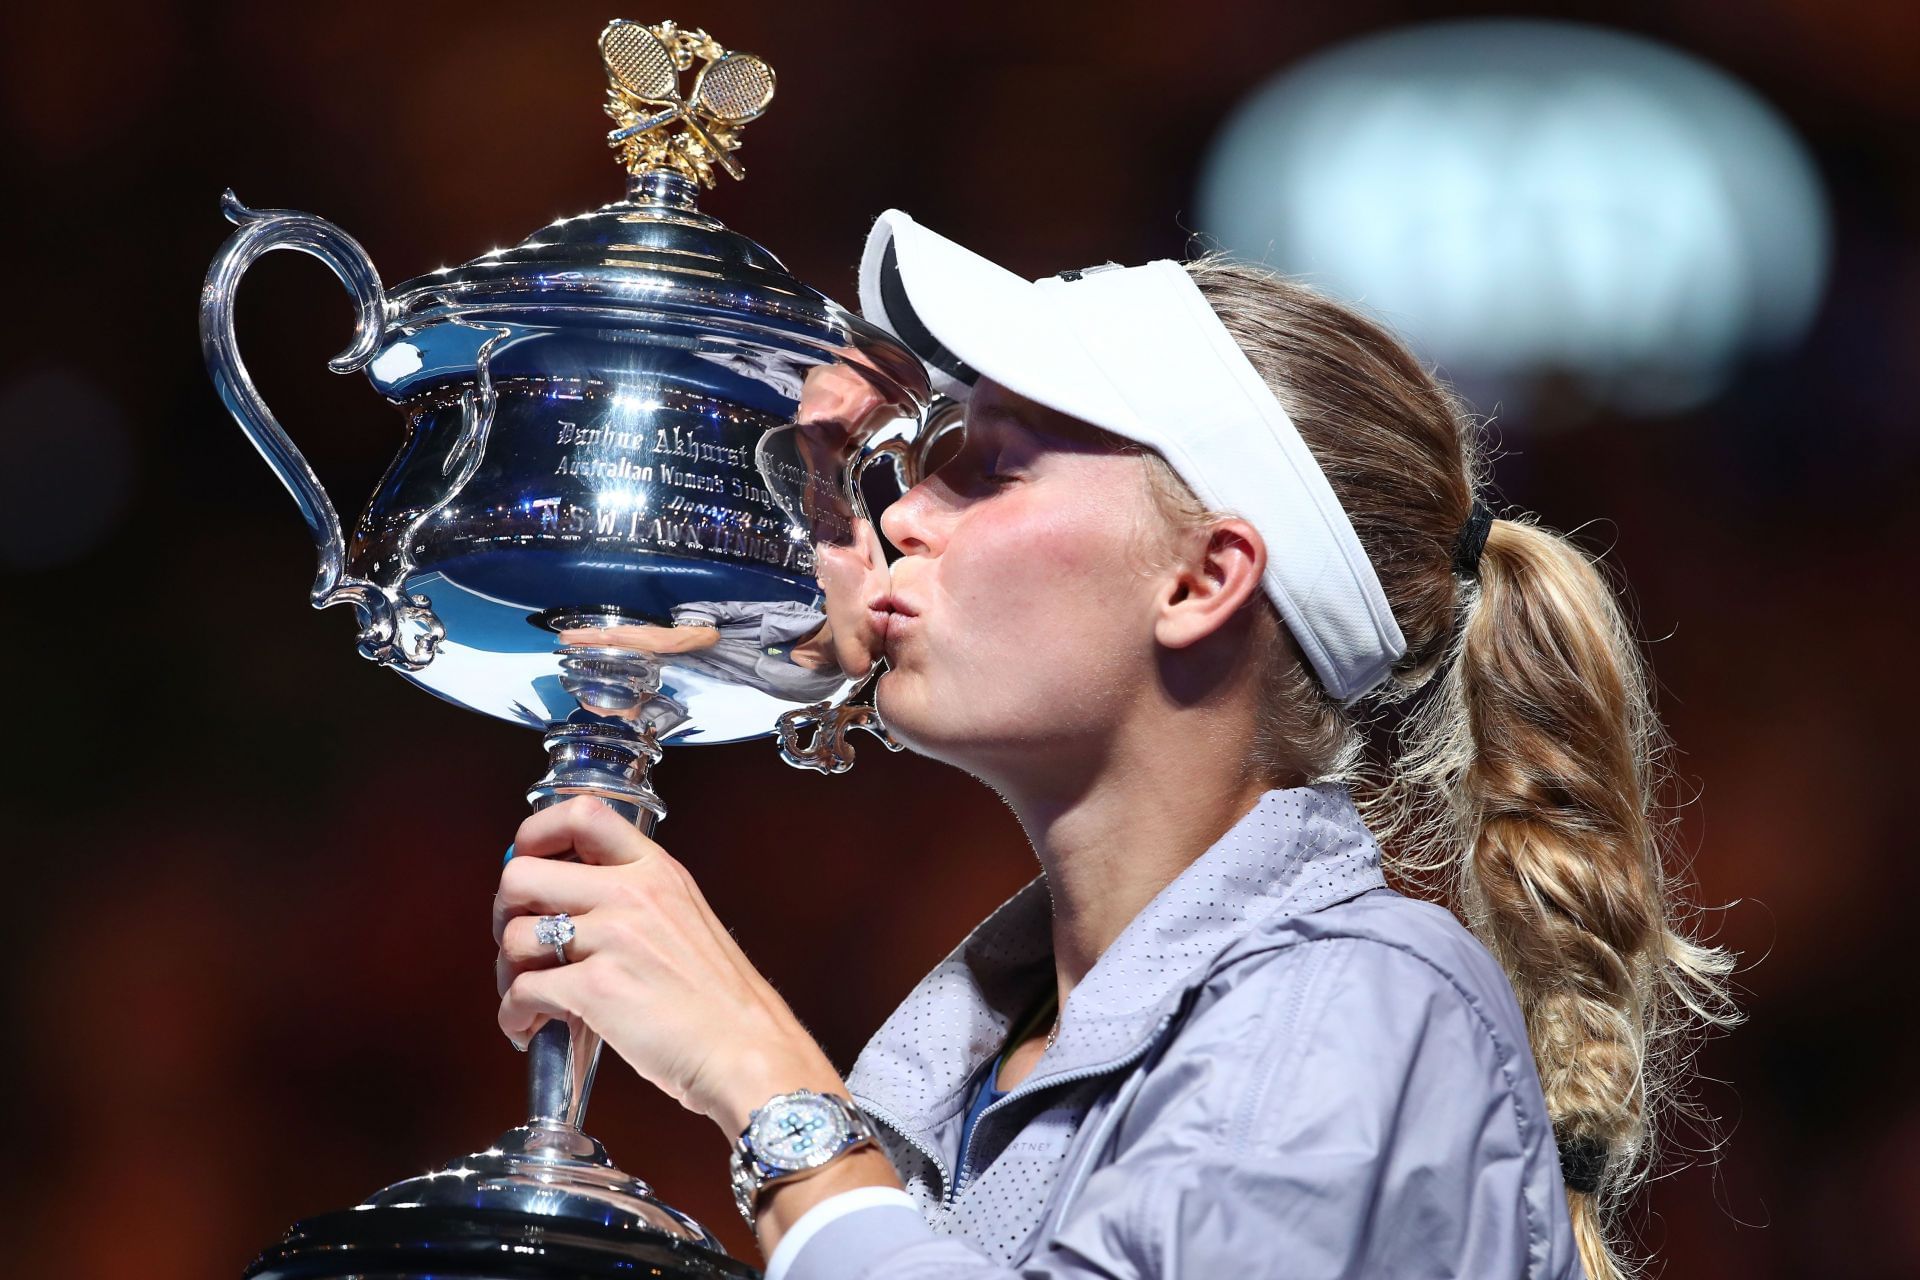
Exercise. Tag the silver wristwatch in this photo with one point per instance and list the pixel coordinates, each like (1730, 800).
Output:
(791, 1136)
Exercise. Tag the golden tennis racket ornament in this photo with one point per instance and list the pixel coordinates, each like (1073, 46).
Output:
(644, 65)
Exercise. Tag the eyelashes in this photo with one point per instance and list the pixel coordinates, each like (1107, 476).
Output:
(992, 474)
(963, 472)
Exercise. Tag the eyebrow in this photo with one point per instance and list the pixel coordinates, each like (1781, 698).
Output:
(1075, 435)
(1014, 417)
(1003, 414)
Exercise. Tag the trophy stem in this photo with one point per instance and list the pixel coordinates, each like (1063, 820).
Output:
(549, 1167)
(663, 188)
(563, 1055)
(561, 1061)
(609, 756)
(607, 759)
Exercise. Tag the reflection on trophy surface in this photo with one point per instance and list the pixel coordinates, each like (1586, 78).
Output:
(626, 512)
(779, 647)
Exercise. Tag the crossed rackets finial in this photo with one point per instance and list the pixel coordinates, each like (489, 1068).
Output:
(644, 65)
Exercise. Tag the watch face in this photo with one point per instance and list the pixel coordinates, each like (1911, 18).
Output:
(798, 1133)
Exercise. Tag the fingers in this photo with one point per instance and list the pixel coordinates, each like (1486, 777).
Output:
(539, 994)
(544, 887)
(587, 829)
(616, 863)
(520, 945)
(521, 949)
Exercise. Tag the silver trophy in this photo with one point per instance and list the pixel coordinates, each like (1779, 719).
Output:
(633, 454)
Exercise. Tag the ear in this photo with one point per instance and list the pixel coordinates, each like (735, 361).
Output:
(1219, 572)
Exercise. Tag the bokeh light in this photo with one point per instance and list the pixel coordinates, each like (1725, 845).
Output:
(1527, 198)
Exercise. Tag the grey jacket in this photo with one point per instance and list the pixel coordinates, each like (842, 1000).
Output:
(1280, 1068)
(756, 646)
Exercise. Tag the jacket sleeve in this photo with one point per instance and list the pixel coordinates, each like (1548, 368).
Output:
(1346, 1110)
(706, 613)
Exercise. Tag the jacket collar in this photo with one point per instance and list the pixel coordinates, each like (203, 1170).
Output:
(1295, 851)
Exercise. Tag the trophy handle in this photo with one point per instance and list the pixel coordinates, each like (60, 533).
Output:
(828, 750)
(396, 629)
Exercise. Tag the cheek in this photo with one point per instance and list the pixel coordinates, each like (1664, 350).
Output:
(1046, 594)
(849, 578)
(1029, 553)
(1036, 644)
(845, 578)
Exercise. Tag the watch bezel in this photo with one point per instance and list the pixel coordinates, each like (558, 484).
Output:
(762, 1141)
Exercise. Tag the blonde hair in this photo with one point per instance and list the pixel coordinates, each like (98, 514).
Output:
(1524, 782)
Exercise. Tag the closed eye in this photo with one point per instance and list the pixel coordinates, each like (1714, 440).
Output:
(972, 464)
(975, 464)
(992, 472)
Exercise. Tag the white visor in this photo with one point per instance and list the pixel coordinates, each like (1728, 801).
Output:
(1138, 351)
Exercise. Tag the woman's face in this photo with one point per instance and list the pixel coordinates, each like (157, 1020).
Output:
(840, 406)
(853, 579)
(1022, 618)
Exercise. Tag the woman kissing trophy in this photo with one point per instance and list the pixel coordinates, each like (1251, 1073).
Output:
(626, 512)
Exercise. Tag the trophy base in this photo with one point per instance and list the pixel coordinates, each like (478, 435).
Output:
(390, 1243)
(543, 1202)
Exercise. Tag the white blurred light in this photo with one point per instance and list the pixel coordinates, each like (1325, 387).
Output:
(1519, 197)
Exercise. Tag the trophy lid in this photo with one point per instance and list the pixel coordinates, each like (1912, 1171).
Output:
(654, 254)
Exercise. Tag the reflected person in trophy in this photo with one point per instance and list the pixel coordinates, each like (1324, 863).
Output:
(840, 404)
(791, 649)
(1202, 525)
(781, 647)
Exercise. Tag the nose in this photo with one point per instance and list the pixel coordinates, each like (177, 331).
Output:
(905, 521)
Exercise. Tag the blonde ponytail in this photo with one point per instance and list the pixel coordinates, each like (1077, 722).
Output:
(1536, 761)
(1526, 787)
(1562, 873)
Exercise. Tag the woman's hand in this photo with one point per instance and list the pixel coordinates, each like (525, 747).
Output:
(650, 967)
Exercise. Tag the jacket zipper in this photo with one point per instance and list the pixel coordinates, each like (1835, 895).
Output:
(1023, 1090)
(892, 1122)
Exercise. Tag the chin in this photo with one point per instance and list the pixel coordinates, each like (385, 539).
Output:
(986, 752)
(856, 645)
(907, 718)
(897, 715)
(854, 660)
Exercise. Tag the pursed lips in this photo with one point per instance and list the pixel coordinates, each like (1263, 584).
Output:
(889, 613)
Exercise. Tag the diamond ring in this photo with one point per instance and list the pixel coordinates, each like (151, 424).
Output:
(556, 932)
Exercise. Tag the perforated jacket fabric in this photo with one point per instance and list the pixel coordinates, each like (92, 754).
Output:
(1280, 1068)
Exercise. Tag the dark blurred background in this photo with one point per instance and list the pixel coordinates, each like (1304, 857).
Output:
(250, 972)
